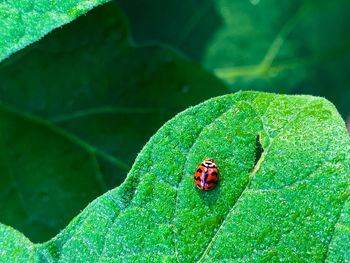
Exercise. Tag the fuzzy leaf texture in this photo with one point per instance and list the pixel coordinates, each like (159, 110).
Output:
(288, 203)
(23, 22)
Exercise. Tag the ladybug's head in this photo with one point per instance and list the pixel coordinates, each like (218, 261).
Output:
(210, 160)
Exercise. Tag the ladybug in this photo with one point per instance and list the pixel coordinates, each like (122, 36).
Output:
(206, 176)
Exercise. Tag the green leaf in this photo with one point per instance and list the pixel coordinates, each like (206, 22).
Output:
(289, 205)
(26, 21)
(46, 178)
(14, 246)
(107, 97)
(289, 47)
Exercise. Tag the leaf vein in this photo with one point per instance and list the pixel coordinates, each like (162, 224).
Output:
(177, 187)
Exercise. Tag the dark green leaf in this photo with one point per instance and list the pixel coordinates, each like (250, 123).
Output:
(290, 46)
(46, 176)
(291, 206)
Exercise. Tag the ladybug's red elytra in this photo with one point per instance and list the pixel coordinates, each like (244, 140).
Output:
(206, 176)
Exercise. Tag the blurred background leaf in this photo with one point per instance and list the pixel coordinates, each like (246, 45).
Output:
(46, 176)
(281, 46)
(88, 82)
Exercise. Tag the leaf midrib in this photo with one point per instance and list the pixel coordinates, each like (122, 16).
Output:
(184, 171)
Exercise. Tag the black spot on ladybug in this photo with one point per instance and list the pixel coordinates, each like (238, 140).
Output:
(199, 170)
(212, 181)
(214, 173)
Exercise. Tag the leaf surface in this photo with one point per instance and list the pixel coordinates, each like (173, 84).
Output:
(26, 21)
(289, 205)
